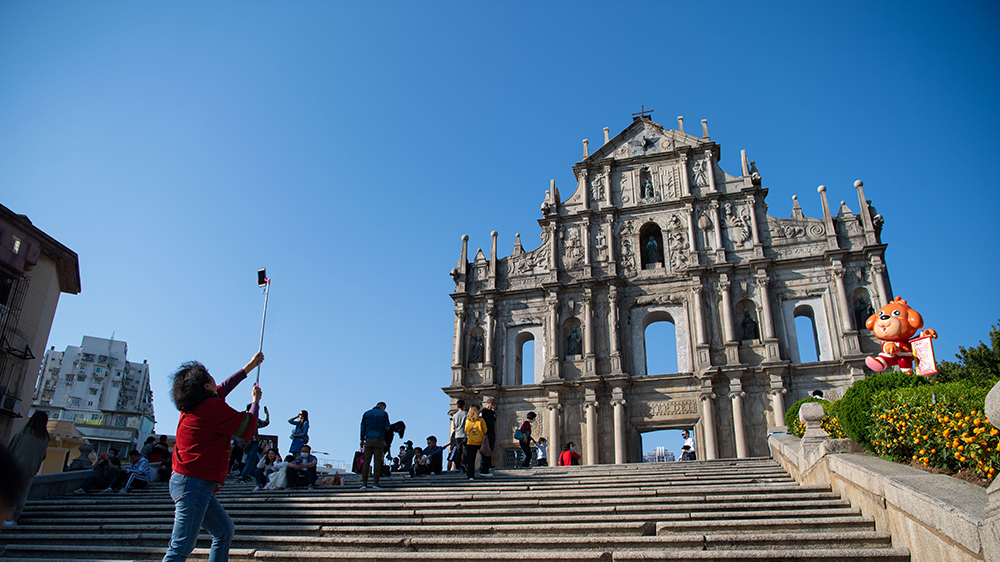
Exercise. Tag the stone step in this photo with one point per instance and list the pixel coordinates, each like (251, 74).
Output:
(740, 526)
(791, 555)
(472, 510)
(869, 539)
(377, 519)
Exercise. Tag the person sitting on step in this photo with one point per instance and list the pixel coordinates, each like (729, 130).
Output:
(136, 476)
(302, 471)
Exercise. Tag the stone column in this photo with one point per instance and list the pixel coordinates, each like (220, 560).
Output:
(698, 322)
(736, 394)
(878, 274)
(553, 422)
(488, 367)
(777, 399)
(694, 247)
(618, 403)
(711, 169)
(765, 304)
(708, 416)
(553, 335)
(588, 332)
(837, 272)
(758, 250)
(729, 332)
(616, 356)
(685, 173)
(590, 416)
(730, 339)
(456, 353)
(716, 216)
(585, 240)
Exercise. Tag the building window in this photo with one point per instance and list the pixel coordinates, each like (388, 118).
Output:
(97, 370)
(119, 421)
(115, 384)
(93, 391)
(15, 244)
(81, 377)
(74, 402)
(95, 416)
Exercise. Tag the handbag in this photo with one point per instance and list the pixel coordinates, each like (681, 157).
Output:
(485, 449)
(518, 435)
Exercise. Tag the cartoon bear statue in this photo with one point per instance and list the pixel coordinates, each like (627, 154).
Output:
(895, 324)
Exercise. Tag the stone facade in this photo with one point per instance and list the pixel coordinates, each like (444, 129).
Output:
(656, 231)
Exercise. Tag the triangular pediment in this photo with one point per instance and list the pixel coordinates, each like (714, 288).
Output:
(642, 138)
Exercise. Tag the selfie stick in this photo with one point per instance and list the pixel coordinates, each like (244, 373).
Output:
(262, 281)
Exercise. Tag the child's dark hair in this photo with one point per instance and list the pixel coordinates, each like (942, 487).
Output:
(289, 458)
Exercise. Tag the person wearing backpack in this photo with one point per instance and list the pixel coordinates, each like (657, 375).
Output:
(523, 435)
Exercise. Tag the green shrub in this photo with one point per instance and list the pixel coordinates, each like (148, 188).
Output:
(854, 410)
(940, 426)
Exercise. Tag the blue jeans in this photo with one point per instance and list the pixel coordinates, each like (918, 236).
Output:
(253, 457)
(195, 506)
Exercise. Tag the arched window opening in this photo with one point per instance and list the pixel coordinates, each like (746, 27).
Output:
(524, 355)
(805, 333)
(747, 320)
(477, 347)
(661, 347)
(862, 307)
(572, 339)
(651, 246)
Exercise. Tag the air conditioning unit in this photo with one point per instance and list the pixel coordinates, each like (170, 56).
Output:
(9, 403)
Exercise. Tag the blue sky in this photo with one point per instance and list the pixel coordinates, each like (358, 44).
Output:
(177, 147)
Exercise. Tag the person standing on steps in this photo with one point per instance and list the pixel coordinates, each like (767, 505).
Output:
(458, 445)
(687, 450)
(475, 432)
(201, 456)
(489, 416)
(526, 439)
(28, 446)
(374, 424)
(300, 435)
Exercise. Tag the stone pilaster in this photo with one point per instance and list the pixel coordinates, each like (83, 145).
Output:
(729, 331)
(491, 313)
(708, 418)
(590, 417)
(618, 403)
(589, 362)
(616, 356)
(736, 394)
(552, 371)
(770, 341)
(553, 408)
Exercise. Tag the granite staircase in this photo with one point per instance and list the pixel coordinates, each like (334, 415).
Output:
(704, 510)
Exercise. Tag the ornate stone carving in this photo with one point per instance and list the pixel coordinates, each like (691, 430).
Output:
(572, 255)
(738, 225)
(699, 173)
(672, 408)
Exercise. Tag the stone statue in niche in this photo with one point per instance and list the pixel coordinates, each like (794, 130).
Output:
(862, 311)
(652, 251)
(476, 350)
(750, 329)
(573, 342)
(647, 188)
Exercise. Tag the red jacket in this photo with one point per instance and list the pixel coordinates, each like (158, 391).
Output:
(567, 457)
(205, 434)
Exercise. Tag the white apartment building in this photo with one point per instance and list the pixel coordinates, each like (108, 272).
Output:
(106, 396)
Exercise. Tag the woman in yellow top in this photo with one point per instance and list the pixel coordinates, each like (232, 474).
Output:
(475, 431)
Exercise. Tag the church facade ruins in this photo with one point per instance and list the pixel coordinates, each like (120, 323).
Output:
(656, 231)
